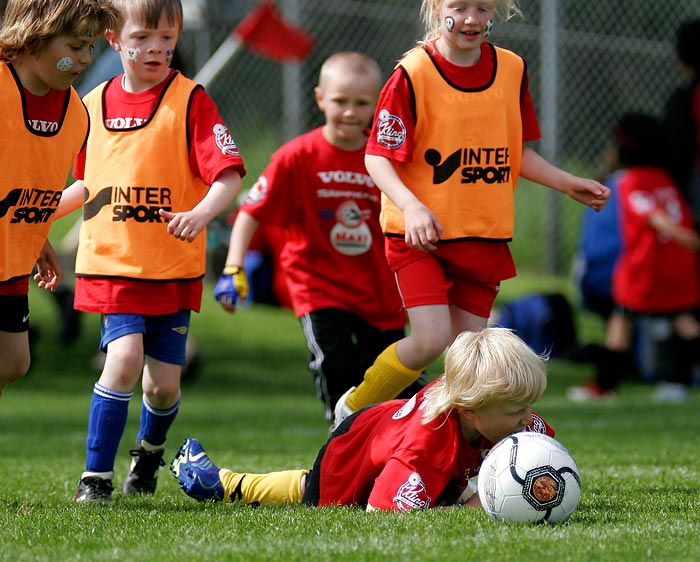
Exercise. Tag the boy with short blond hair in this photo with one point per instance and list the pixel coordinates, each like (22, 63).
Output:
(317, 188)
(142, 249)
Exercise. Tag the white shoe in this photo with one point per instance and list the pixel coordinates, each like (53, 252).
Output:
(590, 392)
(672, 392)
(341, 410)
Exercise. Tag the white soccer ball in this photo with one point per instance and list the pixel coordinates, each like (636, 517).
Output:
(529, 477)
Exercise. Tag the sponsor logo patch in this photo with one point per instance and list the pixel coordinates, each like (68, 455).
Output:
(538, 425)
(258, 192)
(224, 140)
(412, 494)
(391, 132)
(406, 409)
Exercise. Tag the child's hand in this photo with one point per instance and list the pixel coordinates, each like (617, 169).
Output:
(185, 226)
(589, 192)
(688, 238)
(232, 288)
(423, 230)
(49, 271)
(666, 226)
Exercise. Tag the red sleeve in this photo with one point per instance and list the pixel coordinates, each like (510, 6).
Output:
(407, 482)
(79, 166)
(208, 158)
(531, 127)
(395, 98)
(272, 199)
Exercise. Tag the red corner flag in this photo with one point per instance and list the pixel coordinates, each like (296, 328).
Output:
(266, 32)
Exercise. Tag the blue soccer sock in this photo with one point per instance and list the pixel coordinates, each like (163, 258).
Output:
(108, 412)
(155, 423)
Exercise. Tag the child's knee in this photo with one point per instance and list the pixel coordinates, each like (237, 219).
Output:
(162, 395)
(14, 371)
(430, 345)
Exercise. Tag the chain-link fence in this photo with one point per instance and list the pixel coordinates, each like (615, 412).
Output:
(589, 60)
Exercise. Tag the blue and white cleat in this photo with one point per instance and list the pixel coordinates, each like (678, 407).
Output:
(197, 475)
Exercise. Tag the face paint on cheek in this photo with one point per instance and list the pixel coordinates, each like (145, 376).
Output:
(488, 28)
(169, 55)
(132, 54)
(449, 24)
(64, 64)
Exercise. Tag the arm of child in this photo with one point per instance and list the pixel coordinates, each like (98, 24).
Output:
(423, 229)
(230, 289)
(49, 271)
(186, 225)
(71, 198)
(587, 191)
(470, 495)
(665, 225)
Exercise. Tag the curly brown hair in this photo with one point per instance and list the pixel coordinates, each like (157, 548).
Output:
(30, 24)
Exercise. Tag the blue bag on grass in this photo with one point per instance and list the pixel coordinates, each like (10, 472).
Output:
(544, 321)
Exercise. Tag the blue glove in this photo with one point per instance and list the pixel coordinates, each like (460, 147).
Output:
(232, 287)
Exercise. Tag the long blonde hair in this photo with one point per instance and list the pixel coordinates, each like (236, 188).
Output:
(483, 368)
(430, 12)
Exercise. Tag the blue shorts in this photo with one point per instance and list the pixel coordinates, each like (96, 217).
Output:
(164, 336)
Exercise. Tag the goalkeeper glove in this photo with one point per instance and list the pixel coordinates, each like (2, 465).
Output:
(232, 286)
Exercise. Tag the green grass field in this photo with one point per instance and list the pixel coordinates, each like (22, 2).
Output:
(253, 407)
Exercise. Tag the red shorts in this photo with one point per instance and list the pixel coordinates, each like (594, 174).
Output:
(465, 274)
(16, 287)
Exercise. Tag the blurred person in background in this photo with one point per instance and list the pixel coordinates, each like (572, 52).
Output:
(317, 188)
(656, 273)
(682, 119)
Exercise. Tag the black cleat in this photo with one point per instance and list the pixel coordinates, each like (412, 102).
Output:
(143, 474)
(94, 489)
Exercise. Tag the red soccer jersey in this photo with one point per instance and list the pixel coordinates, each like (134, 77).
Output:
(653, 274)
(126, 110)
(391, 461)
(334, 252)
(397, 98)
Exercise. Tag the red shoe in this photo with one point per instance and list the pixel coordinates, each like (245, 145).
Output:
(590, 392)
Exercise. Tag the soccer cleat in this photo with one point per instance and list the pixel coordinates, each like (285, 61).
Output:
(197, 475)
(143, 474)
(670, 392)
(94, 489)
(341, 410)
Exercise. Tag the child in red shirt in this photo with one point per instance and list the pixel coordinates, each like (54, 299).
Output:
(402, 455)
(316, 188)
(656, 272)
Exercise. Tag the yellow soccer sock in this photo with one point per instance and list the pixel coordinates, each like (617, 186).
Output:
(271, 488)
(384, 380)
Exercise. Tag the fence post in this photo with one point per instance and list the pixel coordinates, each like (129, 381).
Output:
(293, 117)
(549, 120)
